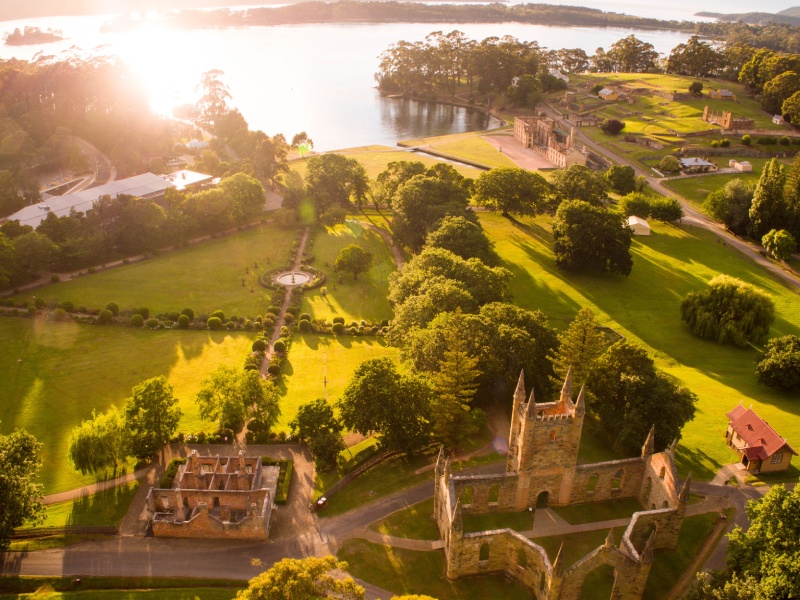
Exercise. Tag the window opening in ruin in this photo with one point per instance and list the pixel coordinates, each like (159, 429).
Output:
(216, 502)
(186, 502)
(616, 481)
(205, 469)
(484, 553)
(494, 493)
(648, 487)
(591, 485)
(165, 501)
(665, 505)
(598, 583)
(522, 558)
(553, 435)
(662, 473)
(466, 495)
(541, 500)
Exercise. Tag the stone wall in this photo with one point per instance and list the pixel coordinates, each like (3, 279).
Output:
(658, 488)
(597, 482)
(630, 574)
(666, 523)
(202, 524)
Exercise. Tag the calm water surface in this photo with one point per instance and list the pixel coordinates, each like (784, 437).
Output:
(313, 78)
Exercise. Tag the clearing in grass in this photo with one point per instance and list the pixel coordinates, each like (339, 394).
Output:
(644, 308)
(205, 277)
(354, 299)
(54, 374)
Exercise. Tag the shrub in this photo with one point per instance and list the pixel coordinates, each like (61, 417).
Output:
(137, 320)
(126, 261)
(338, 328)
(152, 323)
(274, 310)
(183, 321)
(189, 313)
(729, 311)
(305, 316)
(288, 318)
(259, 346)
(55, 278)
(666, 209)
(113, 307)
(669, 164)
(214, 323)
(338, 320)
(785, 140)
(724, 143)
(635, 204)
(274, 370)
(696, 87)
(230, 325)
(714, 144)
(779, 366)
(218, 314)
(304, 326)
(105, 316)
(68, 306)
(612, 126)
(59, 314)
(385, 323)
(746, 139)
(39, 303)
(293, 310)
(335, 214)
(145, 312)
(279, 346)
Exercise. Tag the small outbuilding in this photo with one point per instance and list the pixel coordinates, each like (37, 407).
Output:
(696, 165)
(778, 120)
(608, 95)
(760, 447)
(741, 166)
(638, 225)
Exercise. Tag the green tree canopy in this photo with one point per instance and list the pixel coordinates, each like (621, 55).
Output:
(729, 311)
(395, 406)
(463, 238)
(333, 180)
(579, 346)
(590, 238)
(99, 443)
(309, 578)
(316, 423)
(20, 495)
(246, 194)
(512, 190)
(779, 243)
(779, 365)
(396, 174)
(730, 205)
(151, 417)
(230, 397)
(580, 183)
(621, 179)
(629, 395)
(353, 259)
(768, 209)
(779, 89)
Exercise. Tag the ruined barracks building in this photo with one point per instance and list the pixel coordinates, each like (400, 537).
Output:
(543, 469)
(212, 496)
(552, 139)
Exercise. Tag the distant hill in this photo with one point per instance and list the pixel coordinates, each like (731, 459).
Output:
(791, 12)
(756, 18)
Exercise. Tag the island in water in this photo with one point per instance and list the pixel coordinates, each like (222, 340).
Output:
(33, 35)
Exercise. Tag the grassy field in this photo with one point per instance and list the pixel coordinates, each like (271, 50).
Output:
(411, 572)
(363, 298)
(374, 159)
(182, 594)
(413, 522)
(337, 356)
(206, 277)
(597, 511)
(54, 374)
(467, 146)
(105, 508)
(644, 308)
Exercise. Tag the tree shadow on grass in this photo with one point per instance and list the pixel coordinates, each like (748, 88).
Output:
(106, 508)
(697, 463)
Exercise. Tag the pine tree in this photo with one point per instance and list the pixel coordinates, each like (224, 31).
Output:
(580, 345)
(455, 384)
(768, 210)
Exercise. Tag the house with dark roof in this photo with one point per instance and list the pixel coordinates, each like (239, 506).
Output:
(696, 165)
(760, 447)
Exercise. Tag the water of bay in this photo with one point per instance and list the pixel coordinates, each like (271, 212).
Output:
(314, 78)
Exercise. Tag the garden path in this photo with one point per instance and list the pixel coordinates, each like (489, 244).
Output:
(397, 253)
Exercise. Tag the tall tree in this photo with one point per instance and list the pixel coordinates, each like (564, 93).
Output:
(151, 417)
(353, 259)
(20, 495)
(231, 397)
(312, 578)
(730, 205)
(768, 209)
(631, 55)
(396, 406)
(99, 443)
(579, 346)
(316, 423)
(578, 182)
(695, 58)
(213, 104)
(512, 190)
(453, 418)
(333, 180)
(395, 175)
(629, 395)
(463, 238)
(779, 243)
(589, 238)
(779, 365)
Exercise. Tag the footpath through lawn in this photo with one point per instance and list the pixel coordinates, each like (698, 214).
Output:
(644, 308)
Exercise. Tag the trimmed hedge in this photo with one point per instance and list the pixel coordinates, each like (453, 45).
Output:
(170, 472)
(284, 479)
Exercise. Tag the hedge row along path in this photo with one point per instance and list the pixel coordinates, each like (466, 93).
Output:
(280, 321)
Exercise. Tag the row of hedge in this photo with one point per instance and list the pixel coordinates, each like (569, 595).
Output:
(284, 478)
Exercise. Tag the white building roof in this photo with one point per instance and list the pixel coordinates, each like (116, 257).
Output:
(634, 220)
(143, 186)
(185, 178)
(606, 92)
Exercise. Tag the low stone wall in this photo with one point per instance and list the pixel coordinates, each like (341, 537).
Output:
(602, 477)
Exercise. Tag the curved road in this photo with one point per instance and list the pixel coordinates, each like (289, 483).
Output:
(692, 215)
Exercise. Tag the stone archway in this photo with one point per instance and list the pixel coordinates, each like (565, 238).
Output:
(598, 583)
(542, 499)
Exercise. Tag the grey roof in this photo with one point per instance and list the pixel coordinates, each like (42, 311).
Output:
(142, 186)
(695, 162)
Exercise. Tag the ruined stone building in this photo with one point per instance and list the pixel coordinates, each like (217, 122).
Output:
(726, 120)
(551, 139)
(543, 469)
(216, 497)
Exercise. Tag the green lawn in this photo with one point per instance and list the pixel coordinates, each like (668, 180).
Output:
(411, 572)
(468, 146)
(337, 356)
(129, 588)
(598, 511)
(353, 299)
(105, 508)
(54, 374)
(414, 522)
(182, 594)
(518, 521)
(205, 277)
(374, 159)
(644, 308)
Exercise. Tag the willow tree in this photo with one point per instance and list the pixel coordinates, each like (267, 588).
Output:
(98, 443)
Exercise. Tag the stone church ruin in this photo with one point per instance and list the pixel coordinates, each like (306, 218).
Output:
(216, 497)
(543, 469)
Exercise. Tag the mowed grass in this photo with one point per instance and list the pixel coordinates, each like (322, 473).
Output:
(205, 277)
(374, 160)
(182, 594)
(414, 522)
(644, 308)
(312, 357)
(466, 146)
(411, 572)
(353, 299)
(54, 374)
(105, 508)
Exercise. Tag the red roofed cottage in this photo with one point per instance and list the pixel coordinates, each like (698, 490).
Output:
(759, 445)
